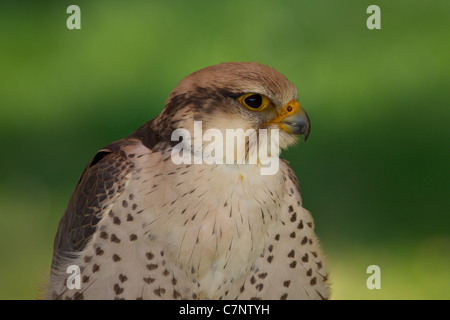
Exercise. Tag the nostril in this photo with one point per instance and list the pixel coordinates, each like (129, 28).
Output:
(289, 109)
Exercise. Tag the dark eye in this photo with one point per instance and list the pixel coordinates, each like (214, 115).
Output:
(254, 101)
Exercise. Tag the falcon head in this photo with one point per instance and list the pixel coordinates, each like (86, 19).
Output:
(235, 95)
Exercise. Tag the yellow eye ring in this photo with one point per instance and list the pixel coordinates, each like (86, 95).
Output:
(254, 101)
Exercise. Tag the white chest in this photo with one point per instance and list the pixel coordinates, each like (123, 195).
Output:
(211, 221)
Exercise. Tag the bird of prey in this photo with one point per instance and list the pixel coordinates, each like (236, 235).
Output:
(140, 225)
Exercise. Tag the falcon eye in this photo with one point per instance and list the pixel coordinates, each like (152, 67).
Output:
(254, 101)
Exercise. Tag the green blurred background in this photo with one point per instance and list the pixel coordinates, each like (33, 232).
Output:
(374, 173)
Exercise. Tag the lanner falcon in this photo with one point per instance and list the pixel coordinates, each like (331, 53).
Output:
(144, 225)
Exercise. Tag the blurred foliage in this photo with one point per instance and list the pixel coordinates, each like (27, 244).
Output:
(374, 173)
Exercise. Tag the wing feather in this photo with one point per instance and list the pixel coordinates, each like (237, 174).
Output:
(100, 184)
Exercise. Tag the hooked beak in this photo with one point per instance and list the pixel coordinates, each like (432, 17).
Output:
(293, 119)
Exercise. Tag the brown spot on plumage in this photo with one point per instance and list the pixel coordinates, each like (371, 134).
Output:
(176, 294)
(117, 289)
(95, 268)
(116, 220)
(262, 275)
(294, 217)
(152, 266)
(149, 280)
(304, 240)
(114, 238)
(123, 278)
(116, 258)
(159, 292)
